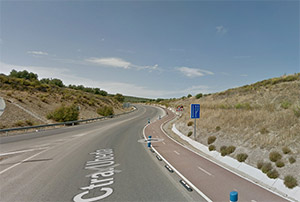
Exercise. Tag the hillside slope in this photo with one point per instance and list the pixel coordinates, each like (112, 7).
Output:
(29, 102)
(256, 119)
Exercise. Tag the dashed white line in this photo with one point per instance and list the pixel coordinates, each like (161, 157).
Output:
(204, 171)
(253, 201)
(176, 152)
(163, 142)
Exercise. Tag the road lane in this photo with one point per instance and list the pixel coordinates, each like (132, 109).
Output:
(58, 172)
(216, 186)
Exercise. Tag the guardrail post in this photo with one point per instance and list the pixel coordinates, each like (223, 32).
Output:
(233, 196)
(149, 141)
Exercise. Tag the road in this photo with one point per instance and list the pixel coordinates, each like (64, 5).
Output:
(92, 162)
(213, 181)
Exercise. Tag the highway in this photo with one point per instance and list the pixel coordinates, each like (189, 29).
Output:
(100, 161)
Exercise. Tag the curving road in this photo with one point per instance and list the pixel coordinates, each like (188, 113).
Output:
(102, 161)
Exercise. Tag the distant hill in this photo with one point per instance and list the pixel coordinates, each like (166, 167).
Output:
(29, 101)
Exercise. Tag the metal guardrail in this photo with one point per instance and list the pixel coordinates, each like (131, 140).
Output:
(63, 123)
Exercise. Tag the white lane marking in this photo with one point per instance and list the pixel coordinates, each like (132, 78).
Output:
(79, 135)
(163, 142)
(253, 201)
(176, 152)
(185, 179)
(22, 151)
(204, 171)
(3, 171)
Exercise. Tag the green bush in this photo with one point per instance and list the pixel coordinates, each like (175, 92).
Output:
(290, 181)
(64, 113)
(266, 167)
(190, 133)
(260, 164)
(274, 156)
(297, 111)
(285, 104)
(105, 111)
(230, 149)
(199, 95)
(292, 160)
(286, 150)
(264, 131)
(218, 128)
(223, 150)
(241, 157)
(279, 164)
(273, 174)
(212, 148)
(190, 123)
(211, 139)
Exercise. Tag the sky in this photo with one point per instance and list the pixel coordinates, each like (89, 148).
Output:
(153, 49)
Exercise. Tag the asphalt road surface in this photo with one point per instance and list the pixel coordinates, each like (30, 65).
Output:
(101, 161)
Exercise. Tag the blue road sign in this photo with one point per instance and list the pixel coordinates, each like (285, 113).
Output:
(195, 111)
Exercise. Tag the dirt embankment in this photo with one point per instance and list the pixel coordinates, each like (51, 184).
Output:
(256, 120)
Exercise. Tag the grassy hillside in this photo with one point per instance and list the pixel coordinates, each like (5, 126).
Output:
(30, 101)
(256, 119)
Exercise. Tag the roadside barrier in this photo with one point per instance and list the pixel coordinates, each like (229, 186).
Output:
(69, 123)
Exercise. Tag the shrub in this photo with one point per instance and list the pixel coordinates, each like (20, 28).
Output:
(274, 156)
(245, 106)
(218, 128)
(260, 164)
(190, 133)
(285, 104)
(264, 131)
(19, 123)
(279, 164)
(230, 149)
(223, 151)
(29, 123)
(266, 167)
(290, 181)
(63, 114)
(297, 111)
(189, 95)
(105, 111)
(190, 123)
(273, 174)
(212, 148)
(199, 95)
(292, 160)
(286, 150)
(241, 157)
(211, 139)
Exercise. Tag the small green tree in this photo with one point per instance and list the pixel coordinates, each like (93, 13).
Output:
(199, 95)
(64, 113)
(189, 95)
(119, 97)
(105, 111)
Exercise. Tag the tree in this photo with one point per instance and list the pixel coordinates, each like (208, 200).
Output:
(119, 97)
(199, 95)
(23, 75)
(189, 95)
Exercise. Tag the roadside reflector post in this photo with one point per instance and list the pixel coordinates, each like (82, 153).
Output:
(148, 121)
(149, 141)
(233, 196)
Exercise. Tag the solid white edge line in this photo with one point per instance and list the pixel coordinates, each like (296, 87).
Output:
(178, 173)
(249, 180)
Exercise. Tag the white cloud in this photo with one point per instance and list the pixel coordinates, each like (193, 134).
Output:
(37, 53)
(221, 29)
(193, 72)
(113, 62)
(119, 63)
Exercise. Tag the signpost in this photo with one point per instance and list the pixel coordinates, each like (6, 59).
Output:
(195, 114)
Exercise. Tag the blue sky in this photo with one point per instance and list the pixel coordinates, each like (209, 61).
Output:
(151, 49)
